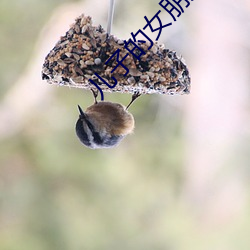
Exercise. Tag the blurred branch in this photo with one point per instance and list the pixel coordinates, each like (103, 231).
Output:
(29, 92)
(216, 120)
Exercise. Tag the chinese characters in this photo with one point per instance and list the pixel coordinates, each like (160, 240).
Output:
(174, 8)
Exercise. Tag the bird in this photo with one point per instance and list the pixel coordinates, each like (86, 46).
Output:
(104, 124)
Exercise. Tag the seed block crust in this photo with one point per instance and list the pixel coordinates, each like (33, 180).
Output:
(85, 48)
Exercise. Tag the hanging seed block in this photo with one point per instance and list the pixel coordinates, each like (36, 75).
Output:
(84, 49)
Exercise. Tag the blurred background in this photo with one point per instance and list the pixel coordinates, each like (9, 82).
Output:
(180, 182)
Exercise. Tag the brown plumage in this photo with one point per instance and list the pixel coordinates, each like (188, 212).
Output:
(110, 117)
(104, 124)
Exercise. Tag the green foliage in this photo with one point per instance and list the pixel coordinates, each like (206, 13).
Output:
(20, 24)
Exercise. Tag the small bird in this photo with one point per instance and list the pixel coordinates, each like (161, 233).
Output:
(104, 124)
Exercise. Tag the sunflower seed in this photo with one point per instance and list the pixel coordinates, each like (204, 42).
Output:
(85, 46)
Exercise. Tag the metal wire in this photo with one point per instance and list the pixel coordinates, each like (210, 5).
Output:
(110, 16)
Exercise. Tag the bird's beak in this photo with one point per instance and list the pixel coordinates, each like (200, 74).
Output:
(82, 115)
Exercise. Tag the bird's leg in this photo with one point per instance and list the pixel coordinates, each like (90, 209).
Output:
(95, 94)
(134, 97)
